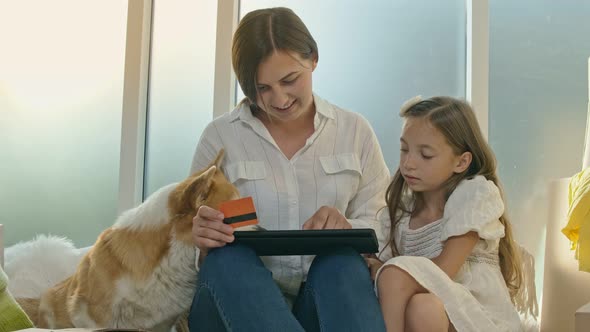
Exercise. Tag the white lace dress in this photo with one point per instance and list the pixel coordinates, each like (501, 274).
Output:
(477, 299)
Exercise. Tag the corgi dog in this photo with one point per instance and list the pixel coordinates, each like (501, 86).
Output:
(141, 271)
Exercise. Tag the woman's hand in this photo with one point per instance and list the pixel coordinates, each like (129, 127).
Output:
(374, 264)
(327, 218)
(209, 231)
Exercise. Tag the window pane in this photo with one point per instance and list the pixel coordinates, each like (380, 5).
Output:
(182, 65)
(374, 55)
(61, 88)
(539, 53)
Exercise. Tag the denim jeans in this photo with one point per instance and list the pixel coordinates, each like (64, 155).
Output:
(236, 292)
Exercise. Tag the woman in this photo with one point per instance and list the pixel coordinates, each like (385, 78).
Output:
(307, 164)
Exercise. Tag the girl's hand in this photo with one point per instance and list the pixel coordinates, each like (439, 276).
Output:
(209, 231)
(374, 264)
(327, 218)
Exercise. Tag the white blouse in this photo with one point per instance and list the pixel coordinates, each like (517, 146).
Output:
(341, 165)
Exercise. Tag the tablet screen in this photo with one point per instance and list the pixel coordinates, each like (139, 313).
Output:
(307, 242)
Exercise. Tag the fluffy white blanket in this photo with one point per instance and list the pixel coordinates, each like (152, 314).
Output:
(34, 266)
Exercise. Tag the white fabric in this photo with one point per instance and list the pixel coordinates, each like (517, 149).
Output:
(477, 299)
(36, 265)
(341, 165)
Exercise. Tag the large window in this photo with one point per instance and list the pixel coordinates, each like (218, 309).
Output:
(182, 64)
(538, 96)
(61, 85)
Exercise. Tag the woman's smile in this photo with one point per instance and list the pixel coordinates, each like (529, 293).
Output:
(286, 108)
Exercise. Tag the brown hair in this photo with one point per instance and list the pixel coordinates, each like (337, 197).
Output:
(262, 32)
(457, 122)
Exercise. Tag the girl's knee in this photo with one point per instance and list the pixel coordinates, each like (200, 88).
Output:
(426, 312)
(395, 279)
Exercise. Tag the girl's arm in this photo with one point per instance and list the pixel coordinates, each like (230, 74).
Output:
(374, 265)
(473, 211)
(455, 251)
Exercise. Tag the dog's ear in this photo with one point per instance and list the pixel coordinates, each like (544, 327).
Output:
(200, 185)
(218, 159)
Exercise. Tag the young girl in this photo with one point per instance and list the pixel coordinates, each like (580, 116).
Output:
(454, 265)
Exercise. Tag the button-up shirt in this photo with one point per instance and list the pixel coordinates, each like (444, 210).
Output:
(341, 165)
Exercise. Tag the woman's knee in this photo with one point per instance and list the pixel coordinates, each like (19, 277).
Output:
(341, 265)
(227, 260)
(426, 312)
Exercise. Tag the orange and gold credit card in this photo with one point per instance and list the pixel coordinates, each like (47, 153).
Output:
(239, 212)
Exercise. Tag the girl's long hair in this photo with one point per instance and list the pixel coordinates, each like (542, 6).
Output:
(457, 122)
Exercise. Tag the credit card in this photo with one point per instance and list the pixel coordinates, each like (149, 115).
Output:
(239, 212)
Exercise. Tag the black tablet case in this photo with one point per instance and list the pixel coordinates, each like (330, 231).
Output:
(308, 242)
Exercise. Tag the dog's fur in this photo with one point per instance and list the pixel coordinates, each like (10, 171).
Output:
(141, 272)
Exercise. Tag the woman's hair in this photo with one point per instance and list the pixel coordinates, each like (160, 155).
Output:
(262, 32)
(457, 122)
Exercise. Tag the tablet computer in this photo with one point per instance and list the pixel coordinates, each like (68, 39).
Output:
(308, 242)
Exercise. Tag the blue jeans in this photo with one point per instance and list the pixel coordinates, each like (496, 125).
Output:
(236, 292)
